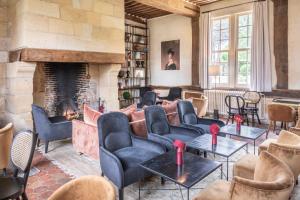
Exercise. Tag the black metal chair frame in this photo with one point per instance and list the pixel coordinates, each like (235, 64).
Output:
(252, 108)
(239, 110)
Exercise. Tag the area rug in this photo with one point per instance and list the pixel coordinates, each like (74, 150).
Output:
(63, 155)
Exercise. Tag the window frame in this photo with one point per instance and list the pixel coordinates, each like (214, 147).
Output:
(233, 15)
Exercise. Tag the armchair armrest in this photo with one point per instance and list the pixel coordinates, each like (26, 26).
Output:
(147, 144)
(112, 167)
(190, 126)
(168, 143)
(185, 130)
(296, 129)
(61, 130)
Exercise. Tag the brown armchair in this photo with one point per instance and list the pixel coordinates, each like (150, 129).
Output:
(87, 187)
(296, 129)
(272, 179)
(280, 113)
(6, 135)
(286, 148)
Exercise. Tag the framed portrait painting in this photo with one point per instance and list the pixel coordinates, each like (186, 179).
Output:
(170, 55)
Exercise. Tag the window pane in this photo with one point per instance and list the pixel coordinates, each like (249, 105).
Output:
(216, 24)
(243, 43)
(242, 56)
(224, 44)
(225, 34)
(243, 20)
(244, 73)
(225, 23)
(216, 35)
(224, 57)
(243, 32)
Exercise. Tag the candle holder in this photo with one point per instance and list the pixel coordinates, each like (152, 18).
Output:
(180, 146)
(214, 130)
(239, 121)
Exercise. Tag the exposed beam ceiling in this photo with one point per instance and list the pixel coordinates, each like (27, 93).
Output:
(201, 2)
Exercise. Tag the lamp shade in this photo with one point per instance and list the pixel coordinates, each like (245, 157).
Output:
(214, 70)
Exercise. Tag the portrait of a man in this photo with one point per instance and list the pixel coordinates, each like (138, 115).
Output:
(170, 55)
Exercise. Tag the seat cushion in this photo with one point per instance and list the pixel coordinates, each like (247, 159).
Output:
(130, 157)
(219, 190)
(245, 166)
(264, 146)
(182, 137)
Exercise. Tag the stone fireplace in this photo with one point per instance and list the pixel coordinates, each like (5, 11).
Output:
(85, 37)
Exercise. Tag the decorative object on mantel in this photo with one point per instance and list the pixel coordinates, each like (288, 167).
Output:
(180, 146)
(214, 130)
(215, 70)
(126, 95)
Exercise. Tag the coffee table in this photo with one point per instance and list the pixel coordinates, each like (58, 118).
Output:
(246, 132)
(225, 147)
(195, 169)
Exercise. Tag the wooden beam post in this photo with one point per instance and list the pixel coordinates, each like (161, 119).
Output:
(174, 6)
(281, 42)
(195, 51)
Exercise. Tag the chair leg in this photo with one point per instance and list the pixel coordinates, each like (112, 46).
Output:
(24, 196)
(162, 181)
(257, 118)
(232, 119)
(38, 142)
(46, 146)
(102, 174)
(4, 172)
(227, 120)
(121, 194)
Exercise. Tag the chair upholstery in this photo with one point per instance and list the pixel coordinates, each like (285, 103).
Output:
(86, 187)
(174, 94)
(148, 99)
(272, 179)
(121, 152)
(159, 130)
(188, 118)
(286, 148)
(296, 129)
(21, 155)
(48, 129)
(280, 113)
(6, 136)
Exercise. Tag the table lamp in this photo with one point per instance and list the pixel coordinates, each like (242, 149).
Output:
(215, 70)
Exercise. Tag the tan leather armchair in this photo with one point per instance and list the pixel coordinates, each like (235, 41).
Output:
(280, 113)
(201, 104)
(296, 129)
(87, 187)
(286, 148)
(272, 179)
(6, 135)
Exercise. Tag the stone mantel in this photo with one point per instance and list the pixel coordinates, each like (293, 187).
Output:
(51, 55)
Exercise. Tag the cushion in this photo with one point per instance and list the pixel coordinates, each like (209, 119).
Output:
(132, 156)
(245, 167)
(219, 190)
(90, 116)
(170, 108)
(128, 110)
(138, 123)
(183, 137)
(264, 146)
(117, 140)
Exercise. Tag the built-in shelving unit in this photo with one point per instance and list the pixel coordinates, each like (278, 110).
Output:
(134, 73)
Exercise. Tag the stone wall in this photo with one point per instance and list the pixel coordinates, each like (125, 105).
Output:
(86, 25)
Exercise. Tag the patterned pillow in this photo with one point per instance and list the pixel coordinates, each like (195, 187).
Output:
(90, 116)
(138, 123)
(128, 110)
(170, 108)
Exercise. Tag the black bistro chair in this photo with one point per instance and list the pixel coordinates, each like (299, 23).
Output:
(22, 149)
(236, 106)
(252, 99)
(148, 99)
(174, 93)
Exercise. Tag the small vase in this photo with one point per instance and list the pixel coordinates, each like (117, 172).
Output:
(214, 139)
(238, 127)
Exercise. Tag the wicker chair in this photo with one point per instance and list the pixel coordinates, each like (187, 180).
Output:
(87, 187)
(6, 135)
(22, 149)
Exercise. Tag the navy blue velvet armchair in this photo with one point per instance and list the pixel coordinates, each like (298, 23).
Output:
(148, 99)
(188, 118)
(121, 152)
(160, 131)
(50, 129)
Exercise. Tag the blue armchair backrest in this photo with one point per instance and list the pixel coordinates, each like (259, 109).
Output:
(114, 131)
(41, 120)
(149, 98)
(174, 93)
(156, 120)
(186, 112)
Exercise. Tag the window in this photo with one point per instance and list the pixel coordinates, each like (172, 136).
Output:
(230, 48)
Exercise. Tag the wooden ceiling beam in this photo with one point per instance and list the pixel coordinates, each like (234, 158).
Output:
(173, 6)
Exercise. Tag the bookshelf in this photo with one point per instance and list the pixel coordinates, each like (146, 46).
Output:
(134, 73)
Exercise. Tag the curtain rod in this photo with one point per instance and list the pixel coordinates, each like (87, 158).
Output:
(232, 6)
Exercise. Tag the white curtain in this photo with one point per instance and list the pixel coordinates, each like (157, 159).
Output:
(204, 48)
(261, 70)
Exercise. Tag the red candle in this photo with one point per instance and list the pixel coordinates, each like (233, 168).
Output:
(179, 145)
(214, 130)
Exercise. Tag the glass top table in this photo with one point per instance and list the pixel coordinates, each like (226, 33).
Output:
(246, 132)
(225, 147)
(194, 169)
